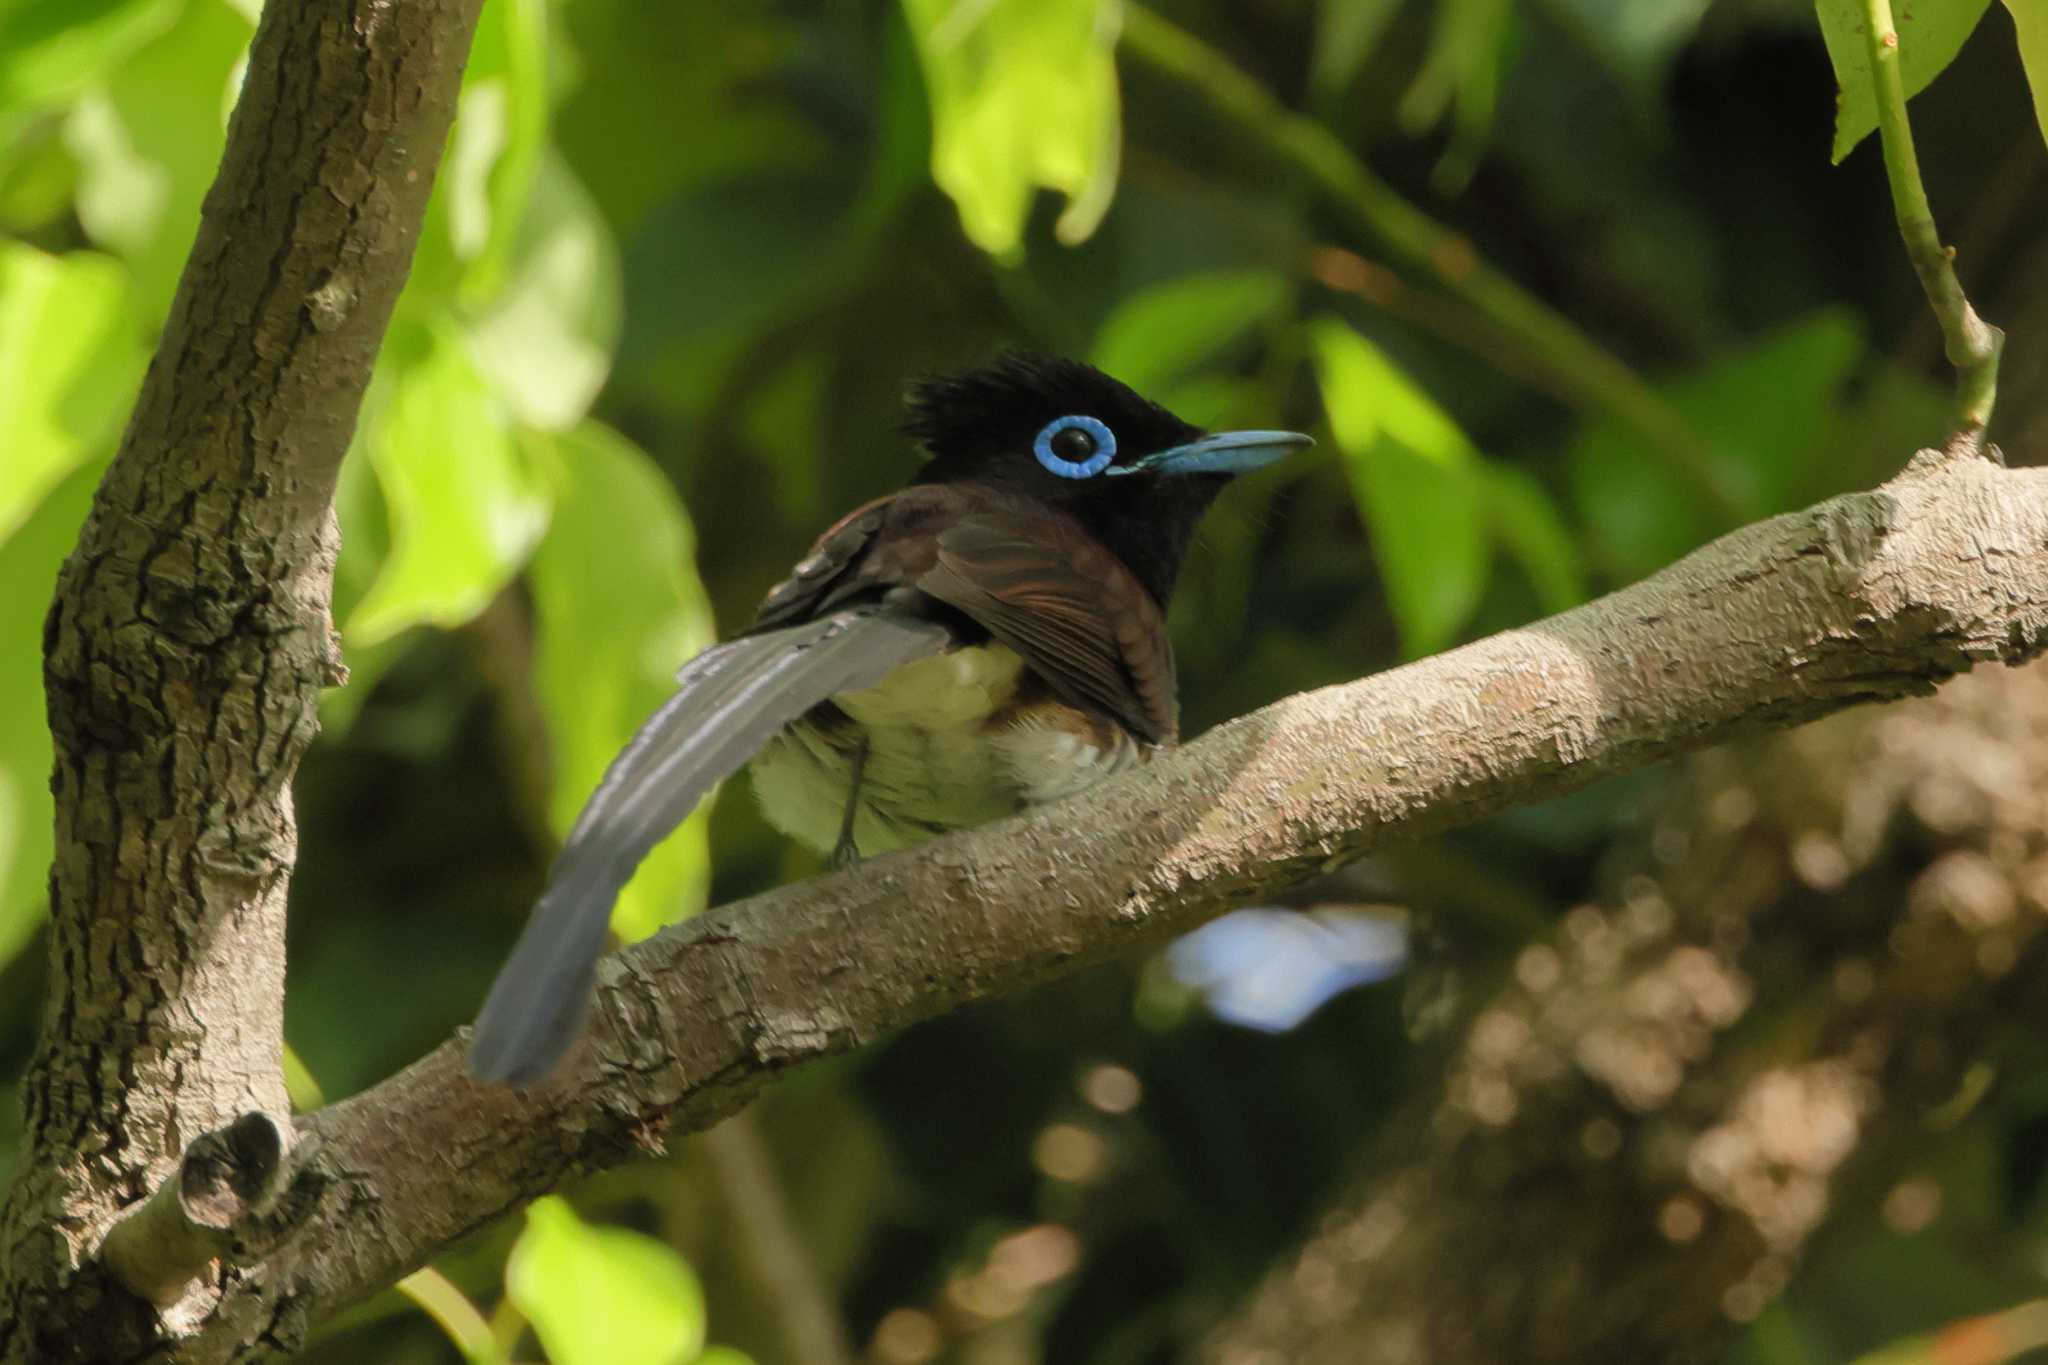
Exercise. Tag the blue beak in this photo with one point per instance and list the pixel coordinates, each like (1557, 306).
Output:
(1227, 452)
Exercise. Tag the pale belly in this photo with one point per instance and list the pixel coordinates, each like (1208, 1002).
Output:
(935, 760)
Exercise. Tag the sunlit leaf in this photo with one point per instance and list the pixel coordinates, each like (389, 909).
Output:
(1416, 477)
(603, 1295)
(1931, 33)
(617, 607)
(2030, 20)
(1764, 410)
(28, 566)
(149, 149)
(1023, 95)
(52, 49)
(545, 341)
(1157, 335)
(70, 356)
(464, 507)
(507, 82)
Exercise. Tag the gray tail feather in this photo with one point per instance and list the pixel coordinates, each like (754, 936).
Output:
(730, 700)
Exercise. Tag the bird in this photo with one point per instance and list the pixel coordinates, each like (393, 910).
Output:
(991, 637)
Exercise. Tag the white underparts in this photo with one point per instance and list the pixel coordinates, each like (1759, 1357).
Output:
(935, 761)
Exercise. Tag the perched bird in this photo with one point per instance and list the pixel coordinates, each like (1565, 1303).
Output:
(991, 637)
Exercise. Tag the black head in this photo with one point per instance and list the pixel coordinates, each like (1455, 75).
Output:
(1136, 475)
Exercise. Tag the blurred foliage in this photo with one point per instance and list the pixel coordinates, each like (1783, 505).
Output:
(679, 264)
(606, 1296)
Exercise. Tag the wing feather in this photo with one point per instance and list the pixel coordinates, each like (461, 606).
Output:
(730, 700)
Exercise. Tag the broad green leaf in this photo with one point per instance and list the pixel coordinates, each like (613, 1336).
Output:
(70, 356)
(1526, 521)
(2030, 20)
(603, 1295)
(142, 179)
(1023, 95)
(545, 341)
(617, 606)
(52, 49)
(1161, 333)
(1931, 33)
(465, 509)
(1764, 410)
(1417, 481)
(28, 566)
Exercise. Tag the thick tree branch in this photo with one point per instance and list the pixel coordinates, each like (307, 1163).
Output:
(1863, 598)
(184, 656)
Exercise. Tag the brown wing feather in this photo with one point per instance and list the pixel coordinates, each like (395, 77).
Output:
(1079, 618)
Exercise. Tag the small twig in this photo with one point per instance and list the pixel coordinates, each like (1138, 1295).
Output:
(437, 1296)
(1589, 373)
(1971, 344)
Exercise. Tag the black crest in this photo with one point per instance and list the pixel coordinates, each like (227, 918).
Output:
(963, 419)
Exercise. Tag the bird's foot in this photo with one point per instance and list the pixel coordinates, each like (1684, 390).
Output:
(844, 854)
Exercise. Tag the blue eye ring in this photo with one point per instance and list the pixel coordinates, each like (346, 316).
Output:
(1104, 442)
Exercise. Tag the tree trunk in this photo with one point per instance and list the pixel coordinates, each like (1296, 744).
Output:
(185, 653)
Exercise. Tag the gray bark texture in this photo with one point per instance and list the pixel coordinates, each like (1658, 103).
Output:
(167, 1206)
(1823, 946)
(184, 654)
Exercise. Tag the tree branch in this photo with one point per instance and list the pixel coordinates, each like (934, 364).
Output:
(184, 655)
(1863, 598)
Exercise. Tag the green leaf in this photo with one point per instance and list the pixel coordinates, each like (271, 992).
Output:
(1346, 33)
(1460, 75)
(465, 509)
(1931, 33)
(507, 82)
(2030, 20)
(1416, 477)
(28, 566)
(618, 606)
(1023, 95)
(52, 49)
(1765, 411)
(151, 148)
(70, 356)
(1527, 522)
(1159, 334)
(545, 341)
(603, 1295)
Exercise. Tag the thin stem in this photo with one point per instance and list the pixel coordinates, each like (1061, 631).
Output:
(1587, 371)
(438, 1297)
(1971, 344)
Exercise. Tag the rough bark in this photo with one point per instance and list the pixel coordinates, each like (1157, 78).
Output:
(185, 652)
(1637, 1140)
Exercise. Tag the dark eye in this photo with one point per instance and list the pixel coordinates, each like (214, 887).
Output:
(1075, 447)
